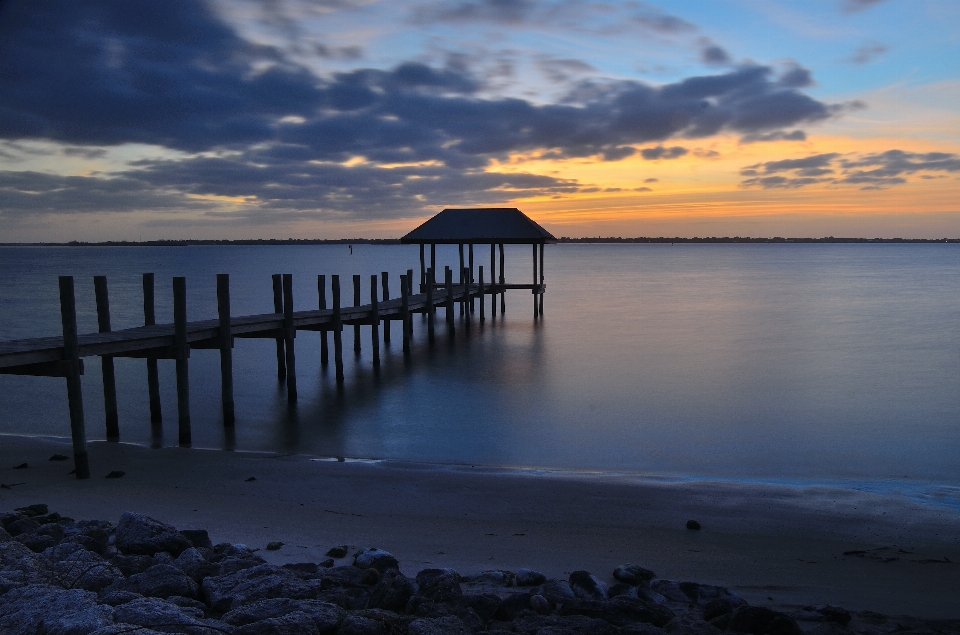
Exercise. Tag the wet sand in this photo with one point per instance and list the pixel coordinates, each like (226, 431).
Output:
(777, 546)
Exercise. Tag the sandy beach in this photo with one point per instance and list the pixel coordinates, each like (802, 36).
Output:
(774, 545)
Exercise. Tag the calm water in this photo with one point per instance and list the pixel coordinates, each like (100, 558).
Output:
(756, 362)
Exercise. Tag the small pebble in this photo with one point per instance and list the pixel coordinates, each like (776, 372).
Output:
(694, 525)
(22, 466)
(115, 474)
(252, 478)
(370, 576)
(338, 552)
(273, 546)
(58, 457)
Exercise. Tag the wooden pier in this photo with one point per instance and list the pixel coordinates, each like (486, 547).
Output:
(62, 356)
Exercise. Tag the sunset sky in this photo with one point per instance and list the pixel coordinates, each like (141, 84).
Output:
(139, 119)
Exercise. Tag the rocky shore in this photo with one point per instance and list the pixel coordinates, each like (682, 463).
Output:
(60, 576)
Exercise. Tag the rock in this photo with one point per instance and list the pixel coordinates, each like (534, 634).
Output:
(493, 578)
(440, 585)
(36, 542)
(337, 552)
(326, 617)
(670, 590)
(633, 574)
(37, 609)
(371, 576)
(131, 565)
(759, 620)
(702, 594)
(393, 592)
(302, 567)
(623, 588)
(529, 623)
(641, 629)
(126, 629)
(142, 535)
(226, 592)
(485, 605)
(539, 604)
(5, 535)
(94, 535)
(693, 525)
(23, 525)
(358, 625)
(834, 614)
(58, 457)
(86, 570)
(116, 597)
(21, 466)
(557, 592)
(20, 567)
(295, 623)
(193, 563)
(587, 586)
(274, 545)
(38, 509)
(199, 538)
(376, 558)
(448, 625)
(153, 612)
(160, 581)
(116, 474)
(717, 607)
(529, 577)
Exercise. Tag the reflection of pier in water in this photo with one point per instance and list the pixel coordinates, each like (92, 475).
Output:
(63, 356)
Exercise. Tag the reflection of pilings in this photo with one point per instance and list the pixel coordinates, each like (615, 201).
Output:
(182, 349)
(106, 361)
(226, 349)
(74, 368)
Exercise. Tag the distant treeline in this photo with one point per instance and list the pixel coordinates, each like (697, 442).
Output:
(396, 241)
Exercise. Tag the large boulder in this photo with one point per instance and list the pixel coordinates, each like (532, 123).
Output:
(83, 569)
(163, 616)
(758, 620)
(371, 557)
(448, 625)
(19, 566)
(393, 592)
(50, 610)
(160, 581)
(620, 611)
(139, 534)
(588, 587)
(226, 592)
(325, 617)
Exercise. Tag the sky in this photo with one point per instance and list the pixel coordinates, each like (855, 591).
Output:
(142, 120)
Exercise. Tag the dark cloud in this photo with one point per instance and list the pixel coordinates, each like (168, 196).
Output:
(643, 189)
(776, 135)
(852, 6)
(500, 11)
(868, 52)
(871, 171)
(563, 70)
(338, 52)
(713, 54)
(660, 152)
(651, 180)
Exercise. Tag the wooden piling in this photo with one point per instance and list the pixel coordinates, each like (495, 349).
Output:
(153, 372)
(337, 328)
(503, 294)
(405, 312)
(460, 273)
(448, 287)
(278, 308)
(106, 361)
(356, 327)
(480, 281)
(322, 305)
(433, 265)
(385, 287)
(289, 334)
(423, 269)
(431, 279)
(542, 245)
(374, 322)
(182, 348)
(493, 279)
(226, 349)
(470, 279)
(536, 303)
(71, 355)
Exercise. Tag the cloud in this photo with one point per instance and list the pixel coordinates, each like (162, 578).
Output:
(776, 135)
(868, 52)
(655, 154)
(651, 180)
(712, 54)
(853, 6)
(871, 171)
(563, 70)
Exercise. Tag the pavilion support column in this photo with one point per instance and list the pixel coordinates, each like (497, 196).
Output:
(461, 273)
(493, 279)
(503, 293)
(182, 348)
(226, 349)
(356, 327)
(71, 355)
(423, 269)
(542, 245)
(337, 328)
(433, 265)
(431, 279)
(153, 372)
(470, 278)
(289, 334)
(385, 288)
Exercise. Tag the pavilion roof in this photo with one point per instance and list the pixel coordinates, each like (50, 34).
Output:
(485, 225)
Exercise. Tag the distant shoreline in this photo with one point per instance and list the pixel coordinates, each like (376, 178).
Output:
(396, 241)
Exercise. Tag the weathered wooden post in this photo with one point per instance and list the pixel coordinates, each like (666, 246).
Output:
(71, 358)
(356, 327)
(153, 372)
(385, 285)
(465, 298)
(278, 308)
(460, 273)
(480, 281)
(470, 276)
(536, 303)
(493, 279)
(322, 295)
(433, 265)
(374, 322)
(106, 361)
(430, 308)
(289, 333)
(542, 245)
(448, 287)
(337, 328)
(423, 269)
(503, 292)
(182, 348)
(405, 312)
(226, 349)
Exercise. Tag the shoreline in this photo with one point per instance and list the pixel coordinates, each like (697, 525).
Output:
(798, 546)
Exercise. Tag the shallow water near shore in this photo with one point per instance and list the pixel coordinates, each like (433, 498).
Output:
(797, 364)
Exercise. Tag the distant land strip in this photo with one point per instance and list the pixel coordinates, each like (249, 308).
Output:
(396, 241)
